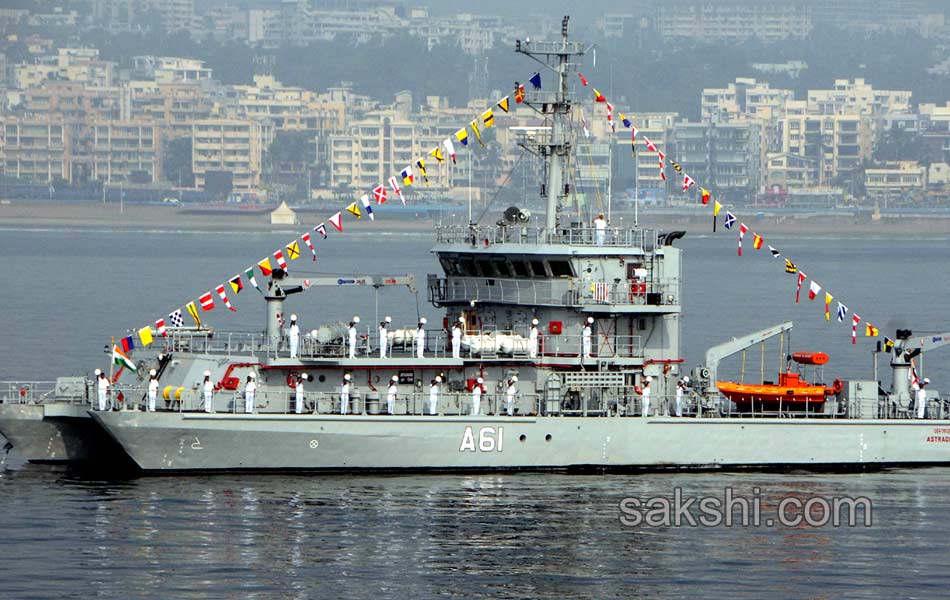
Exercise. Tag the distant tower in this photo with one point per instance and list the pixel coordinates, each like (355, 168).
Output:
(478, 78)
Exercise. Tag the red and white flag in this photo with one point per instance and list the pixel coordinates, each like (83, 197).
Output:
(306, 240)
(813, 289)
(224, 298)
(279, 256)
(207, 302)
(855, 319)
(801, 280)
(395, 186)
(321, 229)
(380, 194)
(742, 230)
(449, 149)
(610, 116)
(633, 137)
(337, 221)
(650, 145)
(160, 328)
(688, 182)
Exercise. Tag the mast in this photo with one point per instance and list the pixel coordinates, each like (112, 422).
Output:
(556, 104)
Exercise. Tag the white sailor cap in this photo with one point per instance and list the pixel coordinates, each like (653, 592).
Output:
(685, 379)
(590, 319)
(293, 317)
(534, 321)
(514, 378)
(207, 373)
(461, 319)
(98, 372)
(438, 379)
(388, 319)
(423, 320)
(305, 376)
(926, 380)
(394, 378)
(152, 372)
(356, 318)
(252, 375)
(346, 377)
(649, 378)
(479, 380)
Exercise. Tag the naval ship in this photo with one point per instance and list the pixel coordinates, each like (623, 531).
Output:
(604, 304)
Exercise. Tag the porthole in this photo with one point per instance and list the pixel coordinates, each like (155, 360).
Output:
(522, 438)
(547, 438)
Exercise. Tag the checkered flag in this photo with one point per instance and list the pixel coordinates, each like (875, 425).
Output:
(176, 319)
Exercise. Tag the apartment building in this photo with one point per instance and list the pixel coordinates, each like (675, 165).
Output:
(174, 106)
(727, 158)
(857, 97)
(815, 149)
(128, 151)
(36, 149)
(233, 145)
(895, 180)
(732, 20)
(169, 69)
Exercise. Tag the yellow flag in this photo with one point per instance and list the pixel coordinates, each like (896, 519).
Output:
(353, 208)
(716, 208)
(828, 299)
(478, 135)
(462, 136)
(193, 311)
(488, 117)
(145, 334)
(437, 154)
(293, 250)
(503, 104)
(871, 330)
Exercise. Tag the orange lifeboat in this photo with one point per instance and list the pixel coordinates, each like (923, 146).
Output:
(792, 391)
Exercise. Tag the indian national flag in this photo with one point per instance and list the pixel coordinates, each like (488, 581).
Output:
(120, 358)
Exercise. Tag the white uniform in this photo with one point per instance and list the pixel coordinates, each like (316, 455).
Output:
(585, 341)
(420, 342)
(646, 400)
(298, 397)
(383, 341)
(510, 398)
(351, 332)
(209, 396)
(433, 398)
(533, 342)
(920, 400)
(600, 230)
(103, 389)
(391, 398)
(152, 394)
(477, 399)
(345, 398)
(250, 390)
(456, 341)
(679, 400)
(294, 339)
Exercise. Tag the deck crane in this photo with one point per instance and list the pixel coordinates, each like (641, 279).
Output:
(906, 350)
(706, 376)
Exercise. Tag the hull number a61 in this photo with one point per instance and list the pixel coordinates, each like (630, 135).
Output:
(488, 439)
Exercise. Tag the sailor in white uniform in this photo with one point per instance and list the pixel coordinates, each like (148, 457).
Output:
(457, 338)
(533, 339)
(152, 390)
(434, 394)
(421, 337)
(391, 395)
(208, 391)
(345, 395)
(586, 338)
(510, 392)
(294, 336)
(384, 336)
(600, 230)
(250, 391)
(645, 394)
(102, 389)
(477, 396)
(680, 390)
(351, 335)
(298, 392)
(920, 398)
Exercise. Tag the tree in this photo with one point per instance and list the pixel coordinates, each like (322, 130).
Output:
(176, 159)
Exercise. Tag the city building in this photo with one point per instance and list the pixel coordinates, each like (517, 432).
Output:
(895, 180)
(816, 149)
(231, 145)
(733, 20)
(169, 69)
(727, 158)
(37, 150)
(126, 151)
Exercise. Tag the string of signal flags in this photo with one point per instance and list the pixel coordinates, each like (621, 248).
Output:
(366, 206)
(730, 221)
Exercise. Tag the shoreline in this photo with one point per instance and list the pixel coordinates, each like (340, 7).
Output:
(139, 216)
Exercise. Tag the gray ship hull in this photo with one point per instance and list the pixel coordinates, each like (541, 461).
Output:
(188, 441)
(53, 433)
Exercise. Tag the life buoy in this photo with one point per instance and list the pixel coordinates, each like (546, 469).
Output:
(837, 386)
(291, 380)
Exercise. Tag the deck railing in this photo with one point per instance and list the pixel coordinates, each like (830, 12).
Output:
(574, 235)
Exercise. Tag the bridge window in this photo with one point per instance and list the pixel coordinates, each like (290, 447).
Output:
(561, 268)
(520, 267)
(537, 266)
(466, 267)
(484, 267)
(449, 266)
(501, 266)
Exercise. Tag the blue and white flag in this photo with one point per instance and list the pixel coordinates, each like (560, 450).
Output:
(842, 311)
(730, 220)
(367, 207)
(176, 319)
